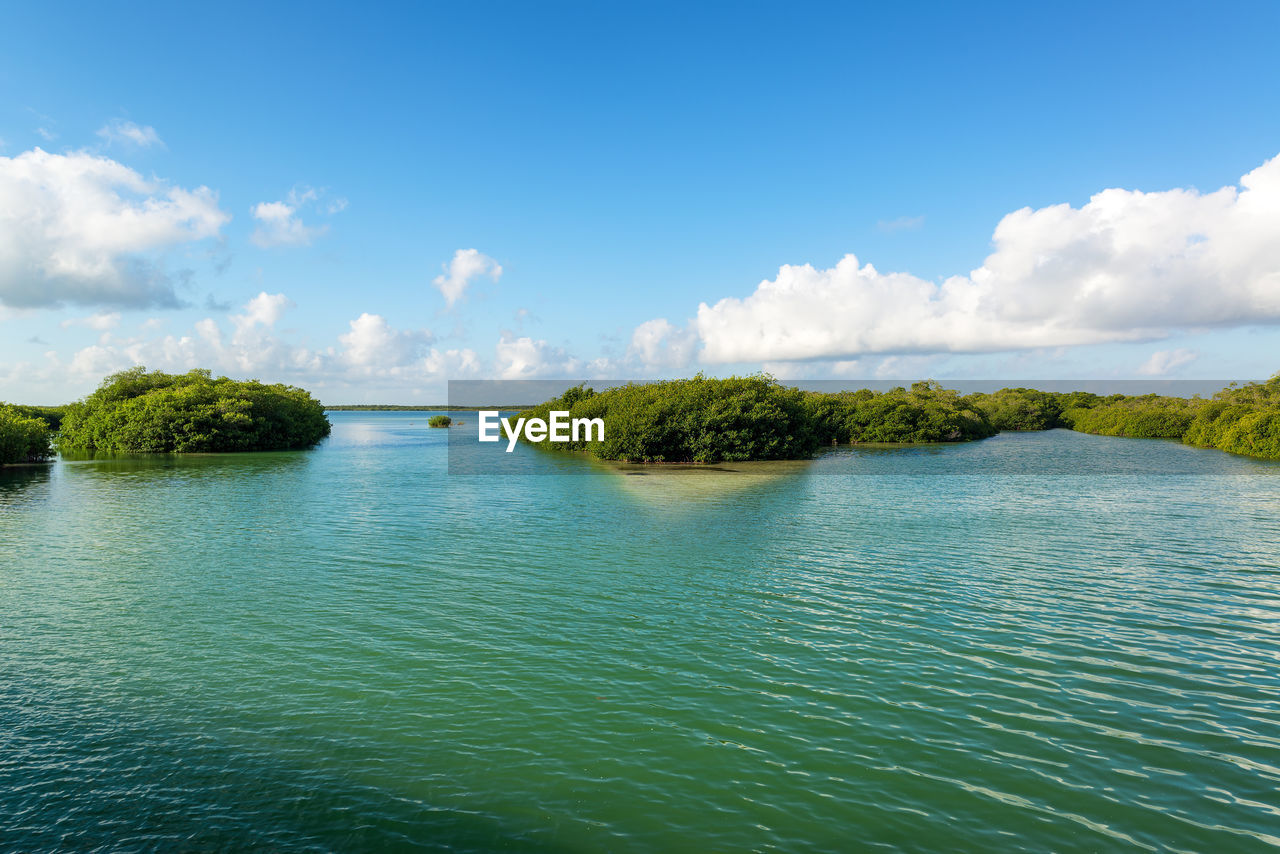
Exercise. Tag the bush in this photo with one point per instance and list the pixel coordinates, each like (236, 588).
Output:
(51, 415)
(1256, 434)
(695, 420)
(152, 412)
(439, 421)
(1240, 420)
(754, 418)
(23, 439)
(925, 413)
(1021, 409)
(1146, 417)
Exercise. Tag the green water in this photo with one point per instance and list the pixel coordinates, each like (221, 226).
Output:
(349, 649)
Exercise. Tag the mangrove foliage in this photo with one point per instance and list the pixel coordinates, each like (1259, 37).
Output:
(140, 411)
(702, 420)
(24, 437)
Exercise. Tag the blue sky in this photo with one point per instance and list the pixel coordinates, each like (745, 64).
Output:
(623, 166)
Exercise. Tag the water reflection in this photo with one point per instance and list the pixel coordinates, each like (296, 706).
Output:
(104, 464)
(1055, 453)
(20, 483)
(674, 484)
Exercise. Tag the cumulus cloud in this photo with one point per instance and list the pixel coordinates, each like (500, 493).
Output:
(466, 266)
(1127, 265)
(372, 359)
(119, 130)
(453, 364)
(263, 310)
(373, 344)
(98, 360)
(660, 345)
(522, 358)
(280, 223)
(1165, 361)
(79, 228)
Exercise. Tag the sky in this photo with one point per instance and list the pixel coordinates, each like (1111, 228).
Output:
(369, 201)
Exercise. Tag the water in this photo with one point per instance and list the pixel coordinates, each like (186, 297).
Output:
(348, 649)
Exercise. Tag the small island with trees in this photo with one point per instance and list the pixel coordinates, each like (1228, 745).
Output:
(439, 421)
(141, 411)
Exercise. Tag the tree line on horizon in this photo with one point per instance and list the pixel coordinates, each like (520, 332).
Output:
(703, 420)
(699, 420)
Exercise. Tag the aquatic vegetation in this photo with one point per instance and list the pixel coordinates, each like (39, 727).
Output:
(692, 420)
(924, 413)
(1022, 409)
(695, 420)
(705, 420)
(755, 418)
(1241, 420)
(23, 438)
(51, 415)
(154, 412)
(1147, 416)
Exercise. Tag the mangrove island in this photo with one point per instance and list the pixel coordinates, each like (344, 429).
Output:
(141, 411)
(707, 420)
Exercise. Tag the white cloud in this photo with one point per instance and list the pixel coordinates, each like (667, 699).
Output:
(371, 358)
(1164, 361)
(85, 229)
(119, 130)
(263, 310)
(467, 265)
(98, 361)
(525, 358)
(1126, 266)
(453, 364)
(373, 344)
(658, 344)
(102, 321)
(280, 225)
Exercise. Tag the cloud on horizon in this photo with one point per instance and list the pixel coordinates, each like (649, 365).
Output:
(1126, 266)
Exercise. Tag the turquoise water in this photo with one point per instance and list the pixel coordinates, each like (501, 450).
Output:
(348, 649)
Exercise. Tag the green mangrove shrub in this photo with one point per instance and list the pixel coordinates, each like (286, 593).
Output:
(1147, 416)
(924, 413)
(23, 439)
(142, 411)
(697, 420)
(1022, 409)
(704, 420)
(439, 421)
(1240, 420)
